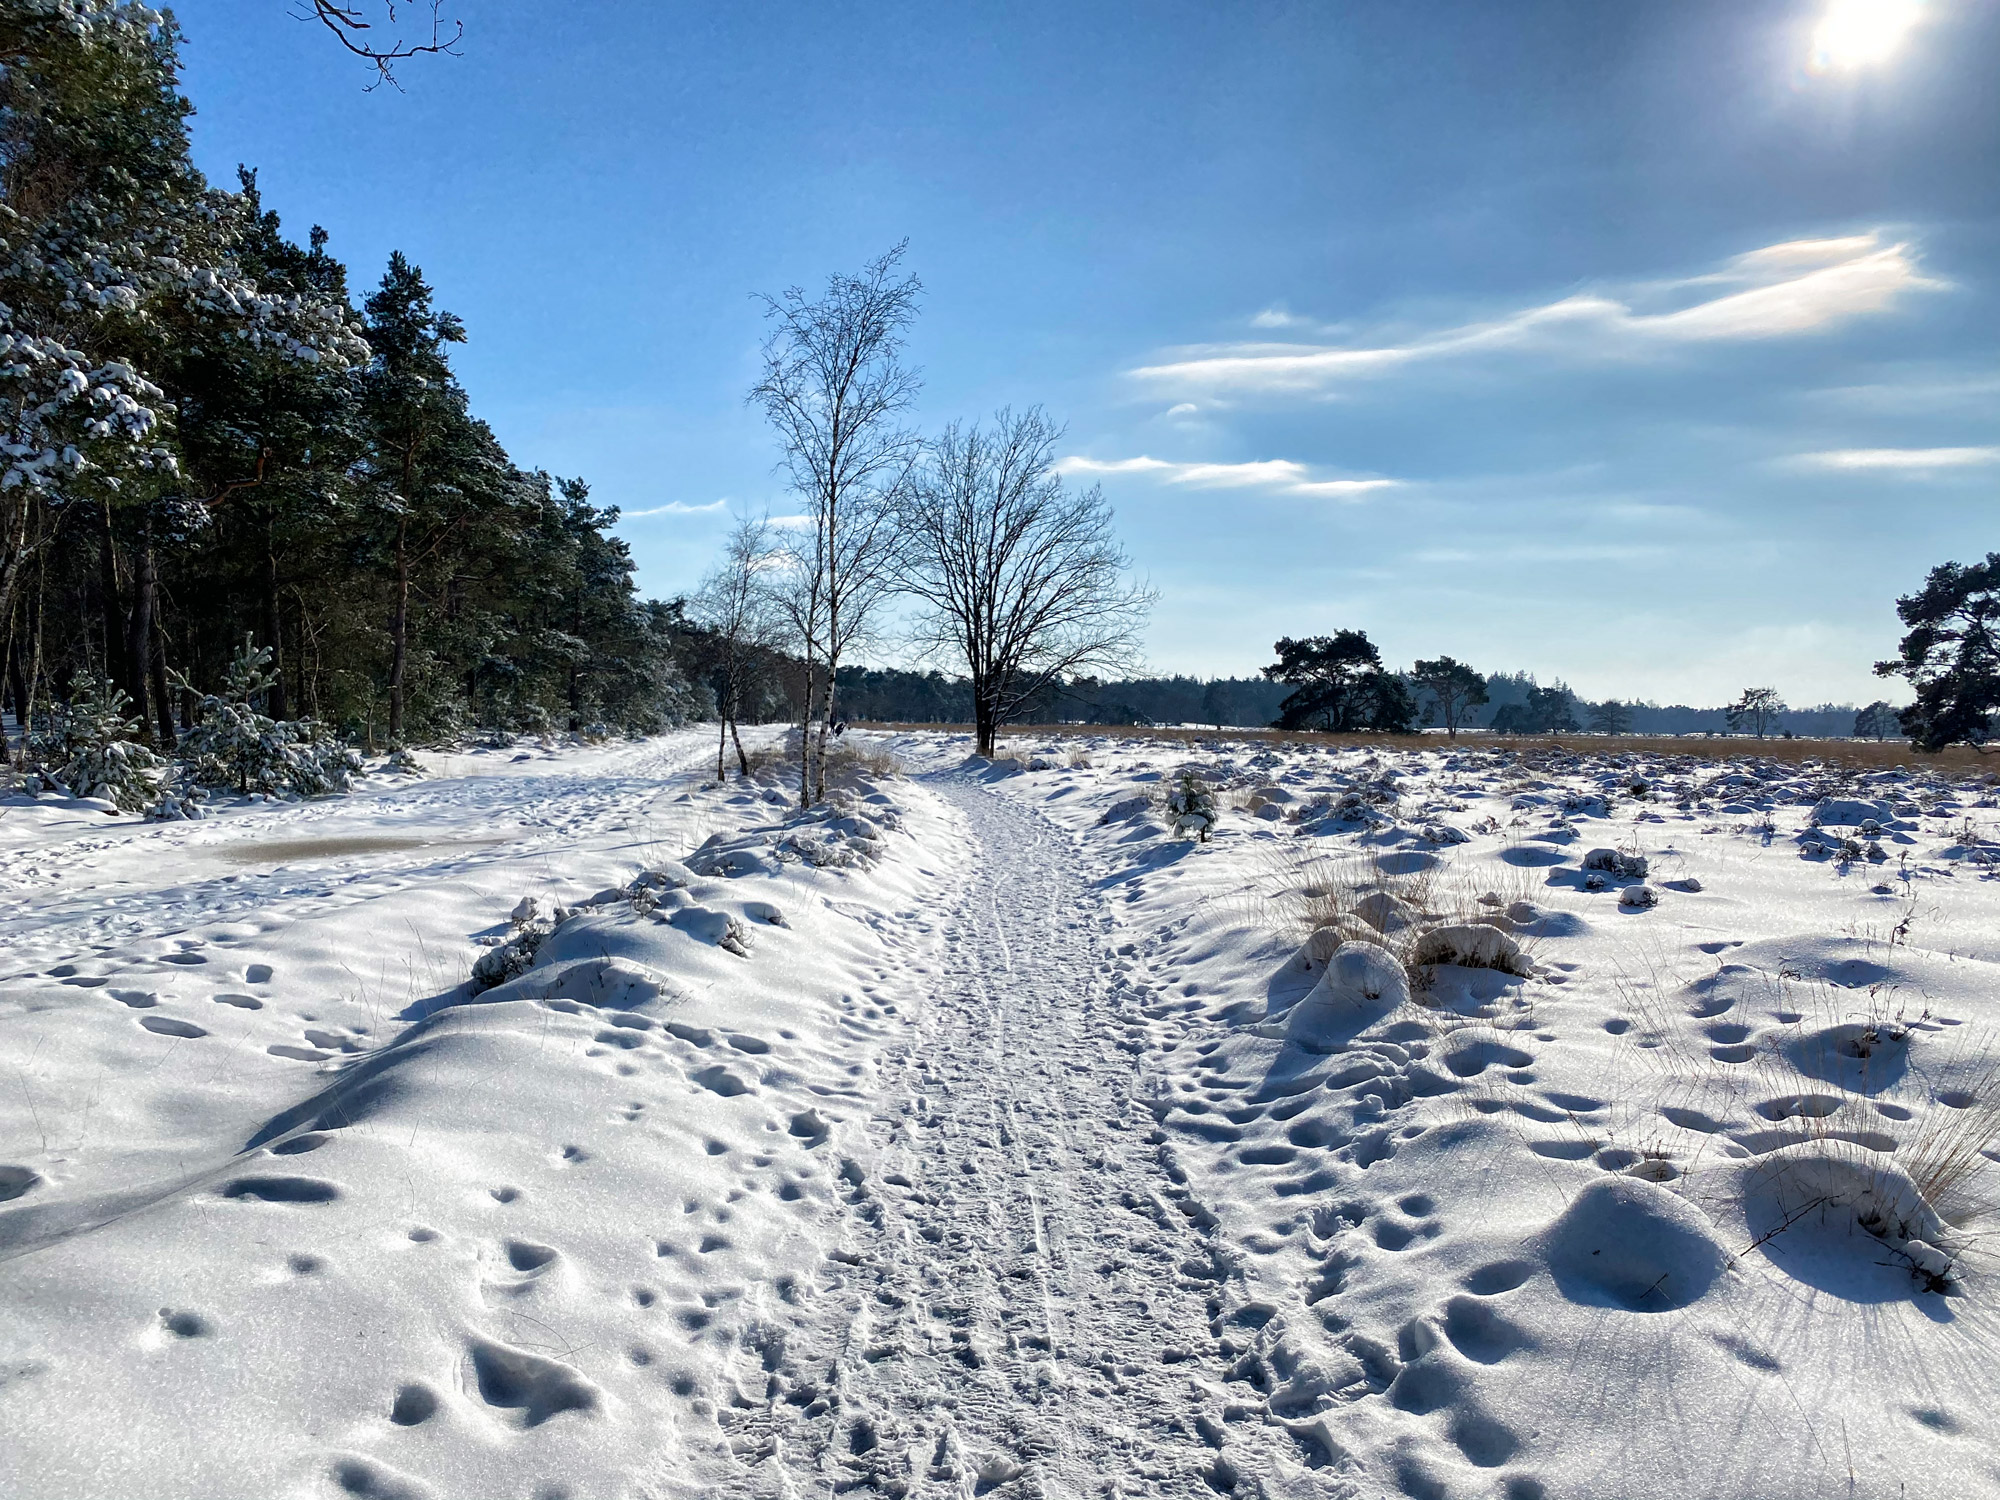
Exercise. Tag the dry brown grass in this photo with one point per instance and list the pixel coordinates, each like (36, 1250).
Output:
(1859, 754)
(862, 755)
(1299, 896)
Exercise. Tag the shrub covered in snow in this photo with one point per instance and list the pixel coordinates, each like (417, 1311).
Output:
(514, 957)
(1632, 866)
(88, 749)
(233, 745)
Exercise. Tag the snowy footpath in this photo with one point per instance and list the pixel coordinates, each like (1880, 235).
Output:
(1445, 1126)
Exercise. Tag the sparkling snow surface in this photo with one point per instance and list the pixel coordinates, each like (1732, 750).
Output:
(975, 1135)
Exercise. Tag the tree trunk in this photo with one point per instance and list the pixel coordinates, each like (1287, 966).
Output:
(826, 725)
(399, 628)
(742, 760)
(725, 706)
(16, 687)
(163, 699)
(34, 670)
(275, 703)
(139, 632)
(14, 551)
(805, 737)
(111, 605)
(983, 727)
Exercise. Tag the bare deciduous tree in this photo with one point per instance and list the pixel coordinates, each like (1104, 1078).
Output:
(834, 387)
(736, 604)
(1021, 577)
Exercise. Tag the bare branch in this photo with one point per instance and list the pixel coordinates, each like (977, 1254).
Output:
(350, 26)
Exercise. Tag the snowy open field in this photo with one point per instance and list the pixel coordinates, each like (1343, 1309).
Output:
(976, 1135)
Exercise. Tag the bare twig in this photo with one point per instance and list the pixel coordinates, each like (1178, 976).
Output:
(348, 23)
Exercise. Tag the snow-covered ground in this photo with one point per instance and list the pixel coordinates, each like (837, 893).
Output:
(976, 1135)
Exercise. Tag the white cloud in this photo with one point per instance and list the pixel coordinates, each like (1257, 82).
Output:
(1275, 316)
(1183, 409)
(676, 508)
(1279, 475)
(1781, 291)
(1900, 458)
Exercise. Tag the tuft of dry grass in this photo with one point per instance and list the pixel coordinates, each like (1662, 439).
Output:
(1353, 897)
(1951, 1155)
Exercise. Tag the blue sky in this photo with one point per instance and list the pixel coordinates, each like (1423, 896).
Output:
(1636, 344)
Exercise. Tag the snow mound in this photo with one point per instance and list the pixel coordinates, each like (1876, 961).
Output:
(1362, 984)
(1385, 912)
(1847, 1221)
(1326, 941)
(1626, 1243)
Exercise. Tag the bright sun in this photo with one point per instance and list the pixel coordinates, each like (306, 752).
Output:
(1854, 33)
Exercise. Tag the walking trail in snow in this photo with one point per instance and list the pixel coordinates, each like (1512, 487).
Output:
(1022, 1289)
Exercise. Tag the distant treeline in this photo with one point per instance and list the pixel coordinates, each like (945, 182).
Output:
(887, 694)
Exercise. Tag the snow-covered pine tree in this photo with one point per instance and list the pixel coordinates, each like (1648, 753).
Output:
(88, 748)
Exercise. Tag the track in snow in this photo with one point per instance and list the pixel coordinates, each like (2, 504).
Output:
(1025, 1302)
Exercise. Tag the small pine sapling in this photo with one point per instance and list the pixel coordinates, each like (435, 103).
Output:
(1192, 806)
(88, 749)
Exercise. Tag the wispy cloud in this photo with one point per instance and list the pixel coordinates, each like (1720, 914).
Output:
(1780, 291)
(1278, 475)
(677, 508)
(1900, 458)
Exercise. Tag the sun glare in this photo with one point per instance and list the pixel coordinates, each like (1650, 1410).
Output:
(1854, 33)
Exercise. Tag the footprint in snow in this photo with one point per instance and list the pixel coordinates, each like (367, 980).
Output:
(168, 1026)
(297, 1053)
(185, 1325)
(719, 1080)
(274, 1189)
(16, 1180)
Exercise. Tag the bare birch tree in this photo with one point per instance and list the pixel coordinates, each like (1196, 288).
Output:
(834, 387)
(1021, 579)
(735, 602)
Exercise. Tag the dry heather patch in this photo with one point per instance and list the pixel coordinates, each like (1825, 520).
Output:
(776, 757)
(869, 757)
(1836, 754)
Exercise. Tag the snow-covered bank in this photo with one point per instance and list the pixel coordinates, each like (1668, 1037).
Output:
(292, 1213)
(1695, 1203)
